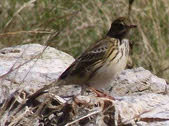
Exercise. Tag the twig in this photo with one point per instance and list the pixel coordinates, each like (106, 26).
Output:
(88, 115)
(130, 7)
(47, 43)
(17, 12)
(34, 57)
(163, 70)
(16, 120)
(11, 70)
(29, 32)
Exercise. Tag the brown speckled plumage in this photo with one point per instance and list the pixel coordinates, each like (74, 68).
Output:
(98, 65)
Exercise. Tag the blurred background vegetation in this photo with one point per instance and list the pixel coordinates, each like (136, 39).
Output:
(82, 22)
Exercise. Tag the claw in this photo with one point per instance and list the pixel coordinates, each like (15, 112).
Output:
(101, 94)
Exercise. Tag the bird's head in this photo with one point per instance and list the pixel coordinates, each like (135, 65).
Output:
(120, 28)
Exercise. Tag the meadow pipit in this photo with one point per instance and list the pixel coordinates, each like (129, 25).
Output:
(99, 64)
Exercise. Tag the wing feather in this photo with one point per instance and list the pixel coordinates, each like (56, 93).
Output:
(90, 57)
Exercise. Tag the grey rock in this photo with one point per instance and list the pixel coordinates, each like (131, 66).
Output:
(141, 97)
(148, 109)
(137, 81)
(27, 73)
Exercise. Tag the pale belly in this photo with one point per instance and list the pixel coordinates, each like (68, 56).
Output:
(105, 75)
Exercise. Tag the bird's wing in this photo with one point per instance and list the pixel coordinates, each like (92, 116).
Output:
(89, 58)
(95, 53)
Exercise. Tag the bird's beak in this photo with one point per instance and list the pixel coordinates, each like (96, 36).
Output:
(132, 26)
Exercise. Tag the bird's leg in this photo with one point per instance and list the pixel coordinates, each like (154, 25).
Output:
(100, 93)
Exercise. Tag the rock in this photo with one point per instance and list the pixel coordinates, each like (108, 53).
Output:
(145, 110)
(20, 71)
(148, 109)
(136, 81)
(141, 97)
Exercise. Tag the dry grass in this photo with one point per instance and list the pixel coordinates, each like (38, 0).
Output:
(83, 22)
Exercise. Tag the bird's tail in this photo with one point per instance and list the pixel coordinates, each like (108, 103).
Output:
(46, 88)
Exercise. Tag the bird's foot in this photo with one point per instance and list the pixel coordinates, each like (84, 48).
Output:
(101, 94)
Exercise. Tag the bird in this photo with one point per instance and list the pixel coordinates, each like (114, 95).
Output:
(99, 64)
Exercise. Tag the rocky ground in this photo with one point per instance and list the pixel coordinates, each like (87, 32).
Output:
(141, 98)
